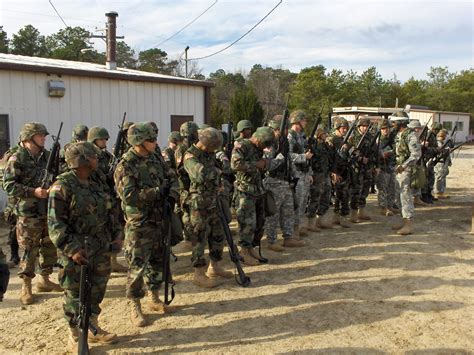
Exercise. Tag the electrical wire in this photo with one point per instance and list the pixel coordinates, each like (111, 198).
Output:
(186, 26)
(48, 15)
(65, 24)
(238, 39)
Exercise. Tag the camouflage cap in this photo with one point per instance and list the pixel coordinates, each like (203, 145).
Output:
(297, 116)
(188, 129)
(244, 124)
(140, 132)
(211, 138)
(264, 135)
(339, 122)
(79, 132)
(32, 128)
(79, 154)
(414, 124)
(436, 126)
(97, 133)
(174, 137)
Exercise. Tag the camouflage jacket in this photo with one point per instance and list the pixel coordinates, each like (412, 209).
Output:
(321, 158)
(138, 181)
(298, 146)
(407, 148)
(338, 161)
(204, 176)
(23, 174)
(77, 210)
(277, 169)
(10, 208)
(369, 153)
(248, 177)
(181, 172)
(223, 163)
(105, 158)
(387, 164)
(168, 156)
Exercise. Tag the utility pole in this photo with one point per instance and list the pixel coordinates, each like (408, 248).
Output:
(186, 61)
(110, 40)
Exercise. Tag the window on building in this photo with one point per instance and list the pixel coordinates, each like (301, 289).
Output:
(448, 125)
(460, 126)
(178, 120)
(4, 134)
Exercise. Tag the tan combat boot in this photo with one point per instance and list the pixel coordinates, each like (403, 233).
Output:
(102, 336)
(72, 340)
(26, 295)
(398, 225)
(275, 247)
(247, 255)
(310, 225)
(157, 305)
(406, 228)
(354, 217)
(215, 270)
(441, 196)
(293, 243)
(116, 266)
(136, 314)
(344, 222)
(200, 279)
(44, 284)
(324, 221)
(362, 216)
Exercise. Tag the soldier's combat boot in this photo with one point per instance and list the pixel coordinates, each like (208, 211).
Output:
(406, 228)
(247, 255)
(26, 295)
(354, 217)
(362, 216)
(215, 270)
(116, 266)
(324, 221)
(186, 245)
(293, 243)
(102, 336)
(441, 196)
(398, 225)
(336, 219)
(385, 212)
(302, 231)
(200, 279)
(418, 202)
(157, 305)
(15, 258)
(275, 247)
(72, 340)
(136, 315)
(44, 284)
(344, 222)
(310, 224)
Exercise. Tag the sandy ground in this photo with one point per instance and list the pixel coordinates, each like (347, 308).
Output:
(364, 290)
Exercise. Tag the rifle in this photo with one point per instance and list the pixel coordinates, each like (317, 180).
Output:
(348, 134)
(167, 210)
(422, 135)
(117, 153)
(84, 312)
(312, 141)
(243, 280)
(230, 139)
(444, 153)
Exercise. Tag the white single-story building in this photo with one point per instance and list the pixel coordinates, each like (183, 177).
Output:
(51, 91)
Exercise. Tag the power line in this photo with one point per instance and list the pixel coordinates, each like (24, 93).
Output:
(48, 15)
(65, 24)
(186, 26)
(238, 39)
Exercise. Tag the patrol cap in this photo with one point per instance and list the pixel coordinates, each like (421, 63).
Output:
(244, 124)
(32, 128)
(297, 116)
(264, 135)
(79, 154)
(211, 138)
(140, 132)
(80, 132)
(97, 133)
(414, 124)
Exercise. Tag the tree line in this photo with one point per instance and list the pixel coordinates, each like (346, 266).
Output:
(262, 92)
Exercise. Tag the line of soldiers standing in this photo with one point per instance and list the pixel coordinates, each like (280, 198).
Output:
(91, 210)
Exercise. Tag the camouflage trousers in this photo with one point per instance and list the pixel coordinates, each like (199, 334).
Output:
(406, 194)
(385, 181)
(360, 188)
(186, 219)
(32, 235)
(10, 218)
(144, 254)
(70, 277)
(319, 195)
(285, 214)
(441, 171)
(301, 194)
(430, 181)
(342, 196)
(251, 218)
(207, 229)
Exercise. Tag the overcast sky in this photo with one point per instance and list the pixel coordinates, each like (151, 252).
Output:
(399, 36)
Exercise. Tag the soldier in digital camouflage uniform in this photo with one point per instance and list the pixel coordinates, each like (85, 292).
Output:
(408, 152)
(441, 169)
(79, 134)
(174, 139)
(277, 180)
(205, 186)
(144, 183)
(81, 227)
(189, 134)
(385, 178)
(341, 172)
(248, 164)
(320, 190)
(22, 180)
(300, 157)
(415, 125)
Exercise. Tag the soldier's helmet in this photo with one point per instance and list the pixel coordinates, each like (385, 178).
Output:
(174, 137)
(79, 154)
(265, 135)
(188, 129)
(204, 126)
(141, 132)
(436, 126)
(126, 126)
(155, 127)
(320, 132)
(399, 116)
(385, 123)
(275, 124)
(363, 122)
(211, 138)
(32, 128)
(442, 133)
(297, 116)
(244, 124)
(339, 122)
(80, 132)
(97, 133)
(414, 124)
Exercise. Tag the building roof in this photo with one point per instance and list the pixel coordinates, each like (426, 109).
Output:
(390, 110)
(66, 67)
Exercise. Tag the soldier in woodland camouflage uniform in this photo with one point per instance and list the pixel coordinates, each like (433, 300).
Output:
(386, 172)
(300, 157)
(144, 183)
(441, 169)
(99, 137)
(248, 164)
(125, 145)
(79, 134)
(430, 151)
(81, 226)
(174, 139)
(205, 186)
(408, 152)
(244, 130)
(320, 190)
(22, 181)
(189, 134)
(277, 181)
